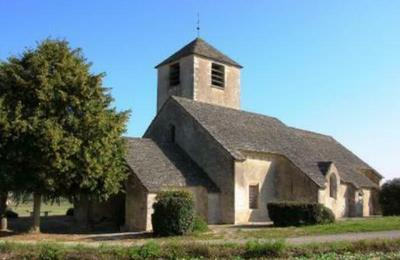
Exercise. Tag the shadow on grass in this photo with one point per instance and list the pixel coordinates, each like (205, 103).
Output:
(253, 226)
(121, 236)
(59, 225)
(65, 225)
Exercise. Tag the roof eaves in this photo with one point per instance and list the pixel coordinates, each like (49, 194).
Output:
(137, 178)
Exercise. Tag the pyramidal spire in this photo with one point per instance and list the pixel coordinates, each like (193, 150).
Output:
(201, 48)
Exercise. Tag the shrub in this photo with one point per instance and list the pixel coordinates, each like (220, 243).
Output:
(327, 216)
(70, 212)
(11, 214)
(389, 198)
(255, 249)
(199, 225)
(299, 213)
(173, 213)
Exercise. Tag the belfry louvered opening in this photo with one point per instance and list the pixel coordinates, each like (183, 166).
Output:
(174, 74)
(217, 75)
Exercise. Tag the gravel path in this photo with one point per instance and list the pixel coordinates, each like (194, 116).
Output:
(393, 234)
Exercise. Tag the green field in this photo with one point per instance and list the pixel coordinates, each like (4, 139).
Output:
(54, 209)
(340, 226)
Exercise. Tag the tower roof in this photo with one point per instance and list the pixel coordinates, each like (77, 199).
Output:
(201, 48)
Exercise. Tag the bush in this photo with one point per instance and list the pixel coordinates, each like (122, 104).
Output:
(70, 212)
(389, 198)
(173, 213)
(199, 225)
(298, 213)
(10, 214)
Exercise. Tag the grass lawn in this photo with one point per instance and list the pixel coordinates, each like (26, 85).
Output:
(341, 226)
(54, 209)
(377, 249)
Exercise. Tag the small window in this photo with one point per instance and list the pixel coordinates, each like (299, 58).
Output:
(332, 186)
(253, 196)
(174, 74)
(217, 75)
(172, 133)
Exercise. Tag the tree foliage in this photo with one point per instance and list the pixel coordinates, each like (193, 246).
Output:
(389, 197)
(60, 135)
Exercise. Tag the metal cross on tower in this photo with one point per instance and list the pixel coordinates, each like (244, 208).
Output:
(198, 25)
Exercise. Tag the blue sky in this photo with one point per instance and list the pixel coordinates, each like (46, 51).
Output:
(326, 66)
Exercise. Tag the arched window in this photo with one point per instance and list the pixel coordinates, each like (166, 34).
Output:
(332, 186)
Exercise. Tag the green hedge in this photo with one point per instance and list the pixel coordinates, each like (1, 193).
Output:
(389, 198)
(173, 213)
(289, 213)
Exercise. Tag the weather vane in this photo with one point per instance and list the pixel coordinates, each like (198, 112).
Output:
(198, 24)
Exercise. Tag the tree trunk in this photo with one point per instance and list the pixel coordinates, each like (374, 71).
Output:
(37, 200)
(3, 207)
(90, 222)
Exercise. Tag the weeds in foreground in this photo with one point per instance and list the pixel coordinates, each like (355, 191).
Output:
(265, 249)
(178, 250)
(50, 252)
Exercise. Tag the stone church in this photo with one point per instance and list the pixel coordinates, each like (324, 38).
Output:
(234, 161)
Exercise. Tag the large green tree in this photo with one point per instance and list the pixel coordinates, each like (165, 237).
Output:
(64, 132)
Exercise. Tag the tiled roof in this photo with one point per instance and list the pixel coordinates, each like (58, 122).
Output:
(238, 131)
(164, 166)
(201, 48)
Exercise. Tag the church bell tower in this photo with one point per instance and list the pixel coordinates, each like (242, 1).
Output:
(199, 72)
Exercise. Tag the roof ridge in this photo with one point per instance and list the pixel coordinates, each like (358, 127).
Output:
(137, 138)
(232, 153)
(314, 134)
(229, 108)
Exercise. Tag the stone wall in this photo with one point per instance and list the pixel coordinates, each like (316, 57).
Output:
(200, 198)
(292, 184)
(375, 207)
(204, 91)
(184, 89)
(344, 205)
(201, 147)
(366, 202)
(135, 205)
(150, 200)
(349, 201)
(214, 206)
(278, 180)
(195, 83)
